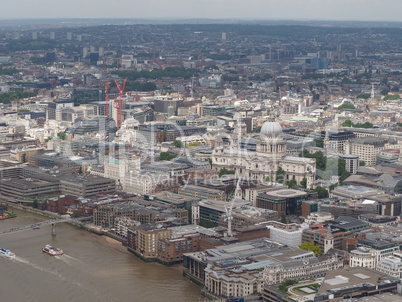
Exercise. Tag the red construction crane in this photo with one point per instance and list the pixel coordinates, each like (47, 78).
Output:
(107, 96)
(89, 79)
(118, 105)
(104, 67)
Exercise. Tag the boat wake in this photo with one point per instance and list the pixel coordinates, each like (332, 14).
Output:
(27, 262)
(71, 258)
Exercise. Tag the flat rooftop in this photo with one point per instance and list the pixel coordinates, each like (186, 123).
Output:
(350, 277)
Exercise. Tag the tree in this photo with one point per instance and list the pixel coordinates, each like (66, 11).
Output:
(269, 178)
(48, 139)
(62, 135)
(80, 170)
(303, 183)
(322, 192)
(319, 142)
(364, 96)
(166, 156)
(346, 106)
(283, 218)
(195, 144)
(291, 183)
(35, 204)
(347, 123)
(391, 97)
(362, 163)
(280, 175)
(384, 91)
(206, 223)
(310, 246)
(225, 171)
(178, 144)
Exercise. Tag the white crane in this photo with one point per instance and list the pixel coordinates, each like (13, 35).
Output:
(228, 210)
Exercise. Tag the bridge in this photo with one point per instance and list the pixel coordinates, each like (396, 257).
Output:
(52, 222)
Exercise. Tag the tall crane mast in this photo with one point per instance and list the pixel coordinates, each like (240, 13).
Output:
(107, 96)
(118, 105)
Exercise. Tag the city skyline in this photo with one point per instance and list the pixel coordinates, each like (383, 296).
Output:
(331, 10)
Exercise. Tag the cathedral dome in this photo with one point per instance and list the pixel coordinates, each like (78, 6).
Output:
(271, 129)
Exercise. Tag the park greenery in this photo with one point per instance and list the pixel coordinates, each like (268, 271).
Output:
(172, 72)
(178, 144)
(7, 71)
(225, 171)
(364, 96)
(206, 223)
(7, 97)
(348, 123)
(327, 167)
(283, 287)
(346, 106)
(166, 156)
(319, 142)
(62, 135)
(322, 192)
(310, 246)
(391, 97)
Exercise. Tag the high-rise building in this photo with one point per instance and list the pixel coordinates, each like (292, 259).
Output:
(84, 52)
(69, 35)
(34, 35)
(87, 95)
(101, 52)
(52, 35)
(223, 36)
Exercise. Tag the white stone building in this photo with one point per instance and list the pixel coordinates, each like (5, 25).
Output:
(300, 269)
(391, 266)
(270, 154)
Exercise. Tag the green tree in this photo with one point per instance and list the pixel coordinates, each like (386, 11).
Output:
(310, 246)
(384, 91)
(391, 97)
(80, 170)
(280, 175)
(364, 96)
(225, 171)
(291, 183)
(206, 223)
(346, 106)
(319, 142)
(62, 135)
(47, 139)
(195, 144)
(322, 192)
(347, 123)
(166, 156)
(283, 218)
(178, 144)
(35, 204)
(303, 183)
(269, 178)
(362, 163)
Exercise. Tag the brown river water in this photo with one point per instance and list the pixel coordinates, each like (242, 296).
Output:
(93, 268)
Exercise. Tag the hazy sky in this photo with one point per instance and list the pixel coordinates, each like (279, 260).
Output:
(370, 10)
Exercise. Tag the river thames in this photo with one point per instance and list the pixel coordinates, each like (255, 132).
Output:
(93, 268)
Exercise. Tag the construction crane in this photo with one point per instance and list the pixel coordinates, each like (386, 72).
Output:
(104, 67)
(118, 105)
(89, 79)
(107, 95)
